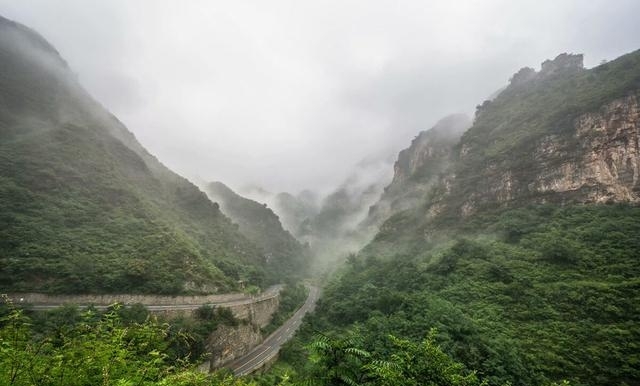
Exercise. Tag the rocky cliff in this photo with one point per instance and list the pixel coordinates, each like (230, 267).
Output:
(504, 277)
(418, 168)
(602, 157)
(564, 134)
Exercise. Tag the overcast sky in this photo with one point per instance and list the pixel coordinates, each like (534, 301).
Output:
(293, 94)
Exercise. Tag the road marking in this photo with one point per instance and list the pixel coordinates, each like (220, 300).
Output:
(252, 359)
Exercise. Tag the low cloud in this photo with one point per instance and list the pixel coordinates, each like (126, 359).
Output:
(291, 95)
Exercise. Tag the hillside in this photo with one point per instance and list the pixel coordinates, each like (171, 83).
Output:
(283, 254)
(84, 207)
(523, 253)
(418, 168)
(295, 211)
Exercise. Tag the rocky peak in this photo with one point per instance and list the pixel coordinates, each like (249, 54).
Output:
(524, 75)
(573, 138)
(562, 62)
(427, 148)
(419, 167)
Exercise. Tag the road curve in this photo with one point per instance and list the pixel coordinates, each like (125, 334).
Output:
(266, 351)
(271, 292)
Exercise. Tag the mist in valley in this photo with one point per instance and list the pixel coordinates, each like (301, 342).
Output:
(294, 106)
(291, 96)
(332, 193)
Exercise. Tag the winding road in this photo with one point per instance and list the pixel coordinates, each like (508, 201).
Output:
(266, 351)
(247, 364)
(271, 292)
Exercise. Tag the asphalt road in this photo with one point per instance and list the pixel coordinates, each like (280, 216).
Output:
(260, 354)
(271, 346)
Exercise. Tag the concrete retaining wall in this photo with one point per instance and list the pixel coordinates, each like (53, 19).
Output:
(105, 300)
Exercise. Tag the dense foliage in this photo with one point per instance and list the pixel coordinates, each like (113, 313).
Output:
(84, 208)
(125, 347)
(94, 349)
(543, 294)
(508, 129)
(285, 256)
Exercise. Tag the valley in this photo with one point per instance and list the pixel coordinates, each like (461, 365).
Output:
(496, 247)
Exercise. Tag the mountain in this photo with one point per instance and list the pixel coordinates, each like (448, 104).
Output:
(84, 207)
(295, 210)
(418, 168)
(523, 250)
(564, 134)
(284, 255)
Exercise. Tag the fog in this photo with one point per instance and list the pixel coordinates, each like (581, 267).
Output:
(288, 95)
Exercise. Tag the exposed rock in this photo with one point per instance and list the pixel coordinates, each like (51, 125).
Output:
(562, 62)
(599, 162)
(606, 166)
(524, 75)
(419, 167)
(227, 343)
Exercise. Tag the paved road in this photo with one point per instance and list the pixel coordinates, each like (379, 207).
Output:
(270, 347)
(269, 293)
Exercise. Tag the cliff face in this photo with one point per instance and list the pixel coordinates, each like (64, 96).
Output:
(561, 135)
(418, 168)
(428, 154)
(606, 161)
(597, 163)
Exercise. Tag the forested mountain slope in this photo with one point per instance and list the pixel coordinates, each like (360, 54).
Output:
(84, 207)
(524, 254)
(282, 252)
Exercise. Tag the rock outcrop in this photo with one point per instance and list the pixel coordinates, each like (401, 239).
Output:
(418, 168)
(228, 343)
(562, 135)
(599, 162)
(561, 63)
(605, 165)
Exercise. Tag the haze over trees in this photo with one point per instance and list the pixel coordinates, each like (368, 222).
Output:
(500, 249)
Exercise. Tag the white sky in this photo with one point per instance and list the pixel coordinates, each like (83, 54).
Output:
(293, 94)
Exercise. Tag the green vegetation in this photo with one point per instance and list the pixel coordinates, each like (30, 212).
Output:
(542, 294)
(509, 128)
(342, 362)
(85, 209)
(522, 294)
(548, 104)
(92, 350)
(511, 294)
(285, 256)
(185, 335)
